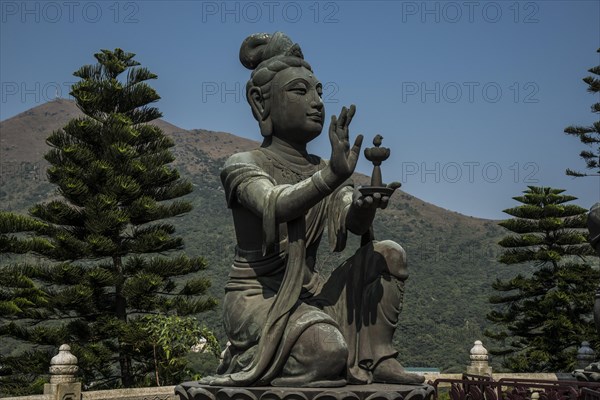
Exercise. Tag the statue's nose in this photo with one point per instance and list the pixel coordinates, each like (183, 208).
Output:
(317, 103)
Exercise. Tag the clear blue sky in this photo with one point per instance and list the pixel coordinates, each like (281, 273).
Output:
(471, 96)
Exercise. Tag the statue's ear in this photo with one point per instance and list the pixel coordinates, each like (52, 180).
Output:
(260, 110)
(257, 102)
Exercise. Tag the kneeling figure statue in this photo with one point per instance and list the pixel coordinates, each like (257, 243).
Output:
(287, 325)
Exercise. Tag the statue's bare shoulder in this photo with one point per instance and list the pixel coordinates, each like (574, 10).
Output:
(252, 157)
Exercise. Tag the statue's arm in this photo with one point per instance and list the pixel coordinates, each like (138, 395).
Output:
(359, 219)
(292, 201)
(347, 211)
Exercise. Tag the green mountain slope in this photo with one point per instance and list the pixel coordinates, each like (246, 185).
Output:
(451, 256)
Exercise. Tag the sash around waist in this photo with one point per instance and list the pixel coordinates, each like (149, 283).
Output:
(247, 266)
(251, 268)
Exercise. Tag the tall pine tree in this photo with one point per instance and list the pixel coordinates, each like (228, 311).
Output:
(543, 316)
(110, 231)
(589, 135)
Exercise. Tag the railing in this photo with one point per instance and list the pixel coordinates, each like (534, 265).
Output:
(476, 387)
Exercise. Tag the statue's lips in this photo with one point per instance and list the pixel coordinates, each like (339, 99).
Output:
(318, 117)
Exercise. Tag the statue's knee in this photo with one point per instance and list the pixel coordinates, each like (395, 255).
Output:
(394, 257)
(323, 350)
(329, 344)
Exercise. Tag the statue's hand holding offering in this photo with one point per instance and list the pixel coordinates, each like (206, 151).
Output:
(375, 200)
(343, 158)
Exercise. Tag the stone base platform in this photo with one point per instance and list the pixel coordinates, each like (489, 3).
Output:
(376, 391)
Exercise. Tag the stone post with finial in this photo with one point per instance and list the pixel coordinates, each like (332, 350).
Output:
(585, 355)
(63, 383)
(479, 360)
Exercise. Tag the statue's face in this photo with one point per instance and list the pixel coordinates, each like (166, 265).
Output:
(297, 111)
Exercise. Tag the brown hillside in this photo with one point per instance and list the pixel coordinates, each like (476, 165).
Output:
(22, 137)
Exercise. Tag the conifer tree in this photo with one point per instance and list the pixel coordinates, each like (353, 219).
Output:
(589, 135)
(543, 316)
(112, 227)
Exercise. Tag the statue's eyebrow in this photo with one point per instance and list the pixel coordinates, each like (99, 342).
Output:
(296, 80)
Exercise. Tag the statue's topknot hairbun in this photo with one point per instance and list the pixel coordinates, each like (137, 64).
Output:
(259, 47)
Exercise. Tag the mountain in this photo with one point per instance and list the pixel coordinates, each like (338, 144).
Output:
(451, 256)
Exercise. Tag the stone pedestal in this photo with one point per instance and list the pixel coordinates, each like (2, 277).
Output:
(196, 391)
(63, 391)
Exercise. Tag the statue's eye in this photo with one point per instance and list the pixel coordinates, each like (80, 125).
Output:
(298, 90)
(298, 87)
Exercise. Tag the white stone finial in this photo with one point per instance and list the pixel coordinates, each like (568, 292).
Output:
(478, 352)
(585, 355)
(585, 349)
(63, 366)
(479, 360)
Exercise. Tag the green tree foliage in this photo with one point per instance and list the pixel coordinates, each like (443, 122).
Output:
(544, 315)
(20, 298)
(589, 135)
(172, 337)
(19, 295)
(112, 228)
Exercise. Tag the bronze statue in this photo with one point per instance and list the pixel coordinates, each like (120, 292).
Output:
(288, 325)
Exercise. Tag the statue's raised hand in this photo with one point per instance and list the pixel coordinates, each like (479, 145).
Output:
(343, 158)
